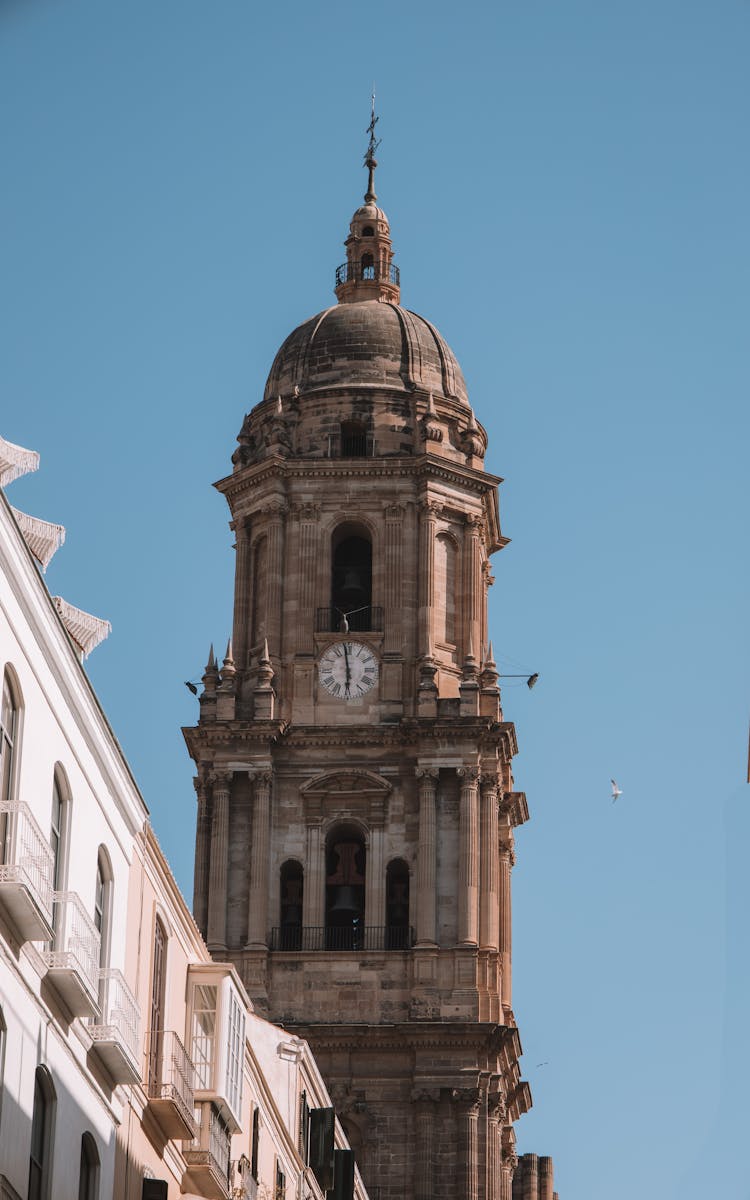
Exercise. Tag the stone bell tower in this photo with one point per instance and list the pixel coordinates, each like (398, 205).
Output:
(356, 803)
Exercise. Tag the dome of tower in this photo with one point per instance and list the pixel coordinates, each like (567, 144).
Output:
(367, 343)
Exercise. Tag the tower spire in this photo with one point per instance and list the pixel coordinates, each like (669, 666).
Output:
(370, 160)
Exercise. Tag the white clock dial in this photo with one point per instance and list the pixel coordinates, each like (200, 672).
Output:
(348, 670)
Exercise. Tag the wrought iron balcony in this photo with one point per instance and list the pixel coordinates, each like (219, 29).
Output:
(73, 958)
(368, 619)
(170, 1083)
(358, 938)
(26, 873)
(115, 1031)
(207, 1157)
(356, 272)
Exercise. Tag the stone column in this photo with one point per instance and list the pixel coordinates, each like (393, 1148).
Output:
(257, 914)
(508, 1161)
(313, 895)
(489, 883)
(216, 933)
(495, 1117)
(425, 1105)
(241, 638)
(429, 512)
(309, 516)
(506, 862)
(468, 858)
(375, 879)
(546, 1179)
(473, 585)
(427, 856)
(276, 512)
(202, 852)
(467, 1117)
(530, 1177)
(392, 584)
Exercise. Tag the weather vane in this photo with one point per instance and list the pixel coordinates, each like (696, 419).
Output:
(374, 142)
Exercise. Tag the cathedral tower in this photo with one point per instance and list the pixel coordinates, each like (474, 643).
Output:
(356, 803)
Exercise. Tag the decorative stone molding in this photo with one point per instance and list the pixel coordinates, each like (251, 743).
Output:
(469, 774)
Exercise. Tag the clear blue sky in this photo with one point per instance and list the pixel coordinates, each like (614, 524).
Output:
(568, 189)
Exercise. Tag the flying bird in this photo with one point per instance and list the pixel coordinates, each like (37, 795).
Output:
(615, 790)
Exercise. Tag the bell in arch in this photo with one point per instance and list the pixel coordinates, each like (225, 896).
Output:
(346, 902)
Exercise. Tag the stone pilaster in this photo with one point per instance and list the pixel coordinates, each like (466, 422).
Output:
(309, 518)
(468, 857)
(489, 881)
(506, 863)
(202, 854)
(242, 594)
(392, 589)
(427, 856)
(216, 933)
(375, 878)
(546, 1179)
(276, 515)
(425, 1102)
(429, 512)
(473, 585)
(257, 915)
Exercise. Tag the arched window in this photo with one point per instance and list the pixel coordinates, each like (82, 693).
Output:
(9, 721)
(42, 1133)
(88, 1179)
(345, 889)
(291, 889)
(351, 579)
(368, 231)
(368, 266)
(397, 905)
(446, 558)
(59, 827)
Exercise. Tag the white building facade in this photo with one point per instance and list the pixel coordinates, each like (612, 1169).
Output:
(131, 1065)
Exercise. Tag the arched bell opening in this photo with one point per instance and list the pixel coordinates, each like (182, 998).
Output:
(397, 905)
(345, 888)
(368, 266)
(291, 893)
(351, 579)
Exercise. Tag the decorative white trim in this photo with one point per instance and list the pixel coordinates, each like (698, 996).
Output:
(15, 461)
(86, 630)
(42, 537)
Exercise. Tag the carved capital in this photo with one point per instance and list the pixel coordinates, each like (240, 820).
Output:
(221, 779)
(467, 1099)
(262, 779)
(275, 509)
(490, 784)
(394, 512)
(431, 774)
(496, 1107)
(430, 508)
(306, 512)
(474, 522)
(424, 1095)
(470, 775)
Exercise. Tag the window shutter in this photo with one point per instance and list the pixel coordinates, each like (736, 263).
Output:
(343, 1176)
(304, 1128)
(321, 1146)
(154, 1189)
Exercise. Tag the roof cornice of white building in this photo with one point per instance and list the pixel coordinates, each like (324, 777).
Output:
(30, 593)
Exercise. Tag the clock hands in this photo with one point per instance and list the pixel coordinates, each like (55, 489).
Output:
(348, 669)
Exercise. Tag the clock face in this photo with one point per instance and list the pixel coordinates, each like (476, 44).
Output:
(348, 670)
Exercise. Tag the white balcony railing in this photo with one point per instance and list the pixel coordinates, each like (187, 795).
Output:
(115, 1031)
(26, 871)
(73, 959)
(170, 1078)
(207, 1156)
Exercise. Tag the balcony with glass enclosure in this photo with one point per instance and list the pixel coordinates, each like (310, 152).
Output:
(207, 1156)
(73, 957)
(115, 1031)
(170, 1084)
(217, 1039)
(26, 870)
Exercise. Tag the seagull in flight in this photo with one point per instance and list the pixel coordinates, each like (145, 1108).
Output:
(616, 792)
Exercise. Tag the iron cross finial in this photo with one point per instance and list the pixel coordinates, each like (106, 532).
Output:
(374, 142)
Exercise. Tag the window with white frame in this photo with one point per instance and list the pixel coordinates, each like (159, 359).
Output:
(235, 1043)
(204, 1033)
